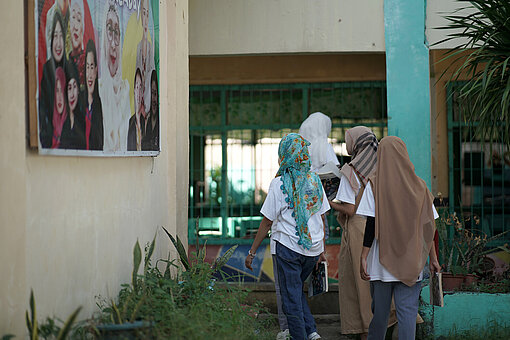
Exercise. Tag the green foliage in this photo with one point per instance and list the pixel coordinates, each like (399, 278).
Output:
(180, 249)
(485, 36)
(462, 247)
(186, 303)
(137, 259)
(32, 318)
(487, 286)
(49, 329)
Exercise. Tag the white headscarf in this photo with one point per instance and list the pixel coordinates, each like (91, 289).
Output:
(316, 129)
(82, 9)
(116, 105)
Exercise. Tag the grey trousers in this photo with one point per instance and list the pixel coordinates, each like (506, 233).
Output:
(406, 303)
(282, 319)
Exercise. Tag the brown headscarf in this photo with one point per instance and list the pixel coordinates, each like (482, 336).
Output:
(362, 146)
(404, 220)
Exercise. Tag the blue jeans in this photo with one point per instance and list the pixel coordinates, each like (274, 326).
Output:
(282, 319)
(293, 269)
(406, 303)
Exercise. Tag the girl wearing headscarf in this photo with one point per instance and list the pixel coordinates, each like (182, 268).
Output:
(316, 129)
(59, 108)
(398, 238)
(293, 210)
(73, 133)
(47, 86)
(113, 89)
(353, 292)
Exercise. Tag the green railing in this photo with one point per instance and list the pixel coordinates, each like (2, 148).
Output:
(234, 136)
(479, 174)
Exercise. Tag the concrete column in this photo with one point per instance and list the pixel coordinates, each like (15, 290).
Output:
(407, 77)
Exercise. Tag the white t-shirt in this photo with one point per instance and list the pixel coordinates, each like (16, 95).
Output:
(283, 229)
(345, 193)
(375, 269)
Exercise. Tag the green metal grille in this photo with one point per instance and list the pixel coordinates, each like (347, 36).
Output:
(234, 136)
(479, 174)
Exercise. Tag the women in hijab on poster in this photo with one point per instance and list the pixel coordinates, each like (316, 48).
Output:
(94, 131)
(151, 139)
(145, 53)
(73, 132)
(59, 108)
(62, 8)
(398, 238)
(113, 89)
(47, 86)
(76, 30)
(137, 121)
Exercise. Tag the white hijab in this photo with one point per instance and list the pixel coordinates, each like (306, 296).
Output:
(82, 9)
(116, 106)
(316, 129)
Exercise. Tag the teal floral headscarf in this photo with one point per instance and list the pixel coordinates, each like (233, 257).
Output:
(302, 187)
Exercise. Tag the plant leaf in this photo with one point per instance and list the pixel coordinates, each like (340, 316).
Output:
(33, 323)
(137, 307)
(137, 259)
(116, 313)
(202, 252)
(149, 255)
(66, 329)
(180, 249)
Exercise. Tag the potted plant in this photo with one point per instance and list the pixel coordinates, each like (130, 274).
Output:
(462, 249)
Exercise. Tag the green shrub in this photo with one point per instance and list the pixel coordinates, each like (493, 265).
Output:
(186, 304)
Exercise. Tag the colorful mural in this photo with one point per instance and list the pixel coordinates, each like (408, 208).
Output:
(234, 269)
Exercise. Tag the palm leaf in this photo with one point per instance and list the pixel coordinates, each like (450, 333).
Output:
(486, 34)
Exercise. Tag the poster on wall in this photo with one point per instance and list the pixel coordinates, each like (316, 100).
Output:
(97, 65)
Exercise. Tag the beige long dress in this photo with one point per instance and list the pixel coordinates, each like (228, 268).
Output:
(353, 292)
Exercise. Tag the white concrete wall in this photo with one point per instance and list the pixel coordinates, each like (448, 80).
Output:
(233, 27)
(68, 224)
(436, 12)
(285, 26)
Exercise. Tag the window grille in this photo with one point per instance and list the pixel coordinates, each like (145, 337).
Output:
(234, 136)
(479, 174)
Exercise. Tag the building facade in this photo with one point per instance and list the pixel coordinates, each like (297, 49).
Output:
(68, 224)
(258, 68)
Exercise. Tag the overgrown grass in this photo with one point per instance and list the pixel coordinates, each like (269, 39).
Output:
(187, 304)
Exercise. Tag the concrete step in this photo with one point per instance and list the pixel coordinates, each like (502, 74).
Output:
(328, 326)
(324, 308)
(322, 304)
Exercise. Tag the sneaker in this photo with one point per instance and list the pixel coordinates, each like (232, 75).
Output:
(314, 336)
(283, 335)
